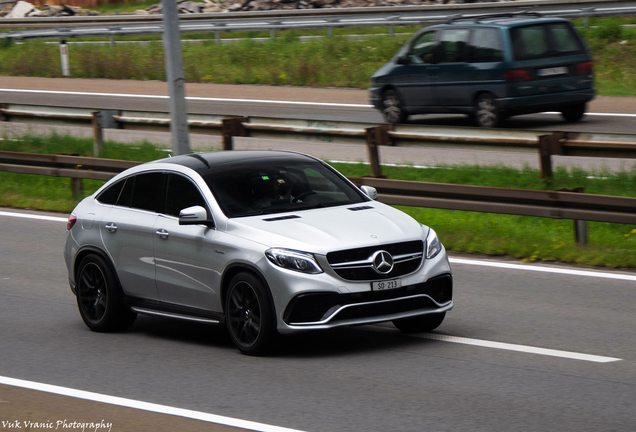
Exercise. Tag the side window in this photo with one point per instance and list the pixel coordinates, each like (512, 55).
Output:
(423, 49)
(146, 193)
(486, 46)
(529, 42)
(181, 193)
(111, 195)
(453, 45)
(564, 38)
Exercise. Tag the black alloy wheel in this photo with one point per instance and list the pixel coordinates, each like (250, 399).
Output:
(99, 297)
(419, 324)
(486, 112)
(249, 317)
(393, 107)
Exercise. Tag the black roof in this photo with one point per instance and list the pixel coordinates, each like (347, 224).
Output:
(201, 162)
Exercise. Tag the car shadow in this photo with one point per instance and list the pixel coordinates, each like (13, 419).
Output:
(312, 344)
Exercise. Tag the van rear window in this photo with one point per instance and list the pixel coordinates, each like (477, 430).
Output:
(545, 40)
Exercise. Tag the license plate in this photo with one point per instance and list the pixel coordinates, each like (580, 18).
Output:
(552, 71)
(386, 285)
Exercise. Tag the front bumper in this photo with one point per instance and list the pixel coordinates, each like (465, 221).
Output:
(323, 301)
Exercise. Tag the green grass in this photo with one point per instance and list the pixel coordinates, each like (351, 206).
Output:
(527, 238)
(329, 62)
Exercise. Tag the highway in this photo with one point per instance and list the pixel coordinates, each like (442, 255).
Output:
(527, 348)
(606, 114)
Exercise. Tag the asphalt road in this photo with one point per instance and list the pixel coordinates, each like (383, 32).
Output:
(346, 104)
(369, 378)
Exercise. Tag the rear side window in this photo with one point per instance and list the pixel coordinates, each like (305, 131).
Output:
(111, 195)
(147, 192)
(453, 45)
(545, 40)
(486, 46)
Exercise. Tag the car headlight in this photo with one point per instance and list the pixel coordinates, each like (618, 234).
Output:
(433, 245)
(293, 260)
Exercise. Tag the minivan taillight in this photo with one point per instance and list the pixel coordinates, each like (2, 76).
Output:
(517, 75)
(584, 68)
(71, 221)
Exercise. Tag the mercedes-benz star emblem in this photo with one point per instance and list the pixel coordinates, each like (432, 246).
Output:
(382, 262)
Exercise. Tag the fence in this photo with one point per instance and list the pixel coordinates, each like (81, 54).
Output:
(547, 144)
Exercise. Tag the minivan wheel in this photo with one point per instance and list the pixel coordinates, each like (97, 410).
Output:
(419, 324)
(574, 113)
(486, 112)
(393, 111)
(99, 297)
(249, 316)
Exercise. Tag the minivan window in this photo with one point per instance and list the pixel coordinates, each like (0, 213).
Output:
(486, 46)
(423, 49)
(181, 194)
(544, 40)
(453, 44)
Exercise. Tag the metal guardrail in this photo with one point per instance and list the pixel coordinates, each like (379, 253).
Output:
(119, 25)
(546, 143)
(547, 204)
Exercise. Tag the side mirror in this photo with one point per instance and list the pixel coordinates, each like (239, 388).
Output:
(195, 215)
(403, 60)
(370, 192)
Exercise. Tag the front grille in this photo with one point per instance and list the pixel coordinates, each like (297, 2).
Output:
(315, 307)
(357, 264)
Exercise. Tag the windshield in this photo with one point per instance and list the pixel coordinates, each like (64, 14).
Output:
(264, 187)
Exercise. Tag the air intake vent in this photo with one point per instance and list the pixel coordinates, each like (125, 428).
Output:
(360, 208)
(280, 218)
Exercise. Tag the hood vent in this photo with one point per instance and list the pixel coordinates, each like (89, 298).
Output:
(280, 218)
(360, 208)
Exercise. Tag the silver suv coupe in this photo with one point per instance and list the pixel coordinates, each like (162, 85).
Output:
(265, 242)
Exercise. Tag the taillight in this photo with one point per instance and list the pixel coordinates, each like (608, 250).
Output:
(584, 68)
(517, 75)
(71, 221)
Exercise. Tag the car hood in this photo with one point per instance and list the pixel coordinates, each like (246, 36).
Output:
(330, 229)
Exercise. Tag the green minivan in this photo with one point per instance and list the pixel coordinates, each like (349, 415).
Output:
(488, 67)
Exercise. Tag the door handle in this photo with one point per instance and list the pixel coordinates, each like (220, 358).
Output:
(111, 227)
(162, 233)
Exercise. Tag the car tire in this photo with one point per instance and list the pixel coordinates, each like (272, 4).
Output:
(574, 113)
(419, 324)
(486, 112)
(393, 107)
(100, 299)
(249, 315)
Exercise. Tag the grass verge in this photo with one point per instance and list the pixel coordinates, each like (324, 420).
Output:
(526, 238)
(328, 62)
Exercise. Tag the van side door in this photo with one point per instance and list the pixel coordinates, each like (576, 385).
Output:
(416, 77)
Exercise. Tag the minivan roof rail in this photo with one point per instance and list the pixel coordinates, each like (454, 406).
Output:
(479, 18)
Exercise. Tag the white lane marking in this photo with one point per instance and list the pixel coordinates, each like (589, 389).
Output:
(190, 98)
(328, 104)
(146, 406)
(32, 216)
(518, 348)
(543, 269)
(497, 264)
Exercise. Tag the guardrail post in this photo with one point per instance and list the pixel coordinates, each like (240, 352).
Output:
(376, 136)
(64, 58)
(391, 31)
(98, 134)
(77, 187)
(580, 226)
(232, 127)
(3, 117)
(549, 145)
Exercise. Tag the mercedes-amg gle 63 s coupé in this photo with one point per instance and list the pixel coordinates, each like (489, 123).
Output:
(265, 242)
